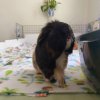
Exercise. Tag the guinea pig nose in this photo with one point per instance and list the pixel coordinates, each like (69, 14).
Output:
(53, 80)
(47, 80)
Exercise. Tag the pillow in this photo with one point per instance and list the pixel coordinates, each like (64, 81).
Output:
(31, 39)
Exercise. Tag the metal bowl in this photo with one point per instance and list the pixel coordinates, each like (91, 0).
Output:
(89, 48)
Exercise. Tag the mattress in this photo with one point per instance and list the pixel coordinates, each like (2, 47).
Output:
(17, 74)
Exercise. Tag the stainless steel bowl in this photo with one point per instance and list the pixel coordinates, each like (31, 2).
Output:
(89, 48)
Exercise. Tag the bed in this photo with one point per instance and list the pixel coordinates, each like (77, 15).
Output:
(17, 75)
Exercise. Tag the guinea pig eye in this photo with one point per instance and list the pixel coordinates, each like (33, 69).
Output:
(68, 37)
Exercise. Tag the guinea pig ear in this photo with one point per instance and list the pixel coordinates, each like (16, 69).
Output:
(72, 34)
(70, 29)
(42, 37)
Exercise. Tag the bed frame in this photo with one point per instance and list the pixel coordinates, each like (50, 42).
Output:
(31, 29)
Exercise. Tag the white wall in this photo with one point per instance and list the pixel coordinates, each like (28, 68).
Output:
(28, 12)
(20, 11)
(73, 11)
(94, 10)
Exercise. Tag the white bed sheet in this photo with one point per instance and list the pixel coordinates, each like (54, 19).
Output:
(16, 68)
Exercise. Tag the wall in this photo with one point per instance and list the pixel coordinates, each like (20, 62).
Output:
(73, 11)
(20, 11)
(94, 10)
(28, 12)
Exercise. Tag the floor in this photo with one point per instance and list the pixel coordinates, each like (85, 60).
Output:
(55, 97)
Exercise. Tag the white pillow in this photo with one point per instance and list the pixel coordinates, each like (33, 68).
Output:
(77, 34)
(31, 39)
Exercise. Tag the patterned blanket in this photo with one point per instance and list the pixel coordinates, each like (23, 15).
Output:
(18, 77)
